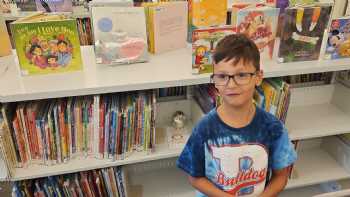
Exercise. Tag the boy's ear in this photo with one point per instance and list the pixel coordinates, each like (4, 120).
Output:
(259, 77)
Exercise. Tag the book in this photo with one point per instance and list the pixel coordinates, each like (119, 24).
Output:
(302, 33)
(260, 25)
(47, 44)
(6, 48)
(338, 42)
(203, 44)
(26, 5)
(120, 35)
(167, 26)
(54, 5)
(205, 14)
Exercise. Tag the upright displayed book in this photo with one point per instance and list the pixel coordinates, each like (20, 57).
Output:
(54, 5)
(26, 5)
(166, 25)
(203, 44)
(47, 44)
(260, 25)
(206, 13)
(5, 48)
(120, 35)
(302, 32)
(338, 42)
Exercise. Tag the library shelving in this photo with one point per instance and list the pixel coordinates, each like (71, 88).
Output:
(315, 113)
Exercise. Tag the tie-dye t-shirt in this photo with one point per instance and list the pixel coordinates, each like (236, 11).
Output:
(237, 160)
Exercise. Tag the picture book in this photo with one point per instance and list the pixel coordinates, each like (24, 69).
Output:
(338, 42)
(302, 33)
(6, 47)
(203, 44)
(54, 5)
(47, 44)
(167, 26)
(206, 13)
(260, 25)
(120, 35)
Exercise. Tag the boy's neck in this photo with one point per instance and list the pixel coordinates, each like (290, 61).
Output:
(237, 117)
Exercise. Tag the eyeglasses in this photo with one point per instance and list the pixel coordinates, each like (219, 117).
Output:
(239, 78)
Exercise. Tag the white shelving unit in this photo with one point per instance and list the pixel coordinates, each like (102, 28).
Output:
(314, 112)
(164, 70)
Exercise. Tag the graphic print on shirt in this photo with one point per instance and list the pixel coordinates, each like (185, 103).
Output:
(238, 169)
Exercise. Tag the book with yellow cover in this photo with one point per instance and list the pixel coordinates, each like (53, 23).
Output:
(47, 43)
(5, 48)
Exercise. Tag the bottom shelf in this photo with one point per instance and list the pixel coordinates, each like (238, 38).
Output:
(158, 179)
(315, 190)
(316, 166)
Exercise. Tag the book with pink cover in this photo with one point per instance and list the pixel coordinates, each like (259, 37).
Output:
(170, 26)
(54, 5)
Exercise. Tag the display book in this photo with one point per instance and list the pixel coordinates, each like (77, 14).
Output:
(120, 34)
(166, 25)
(52, 132)
(46, 43)
(303, 31)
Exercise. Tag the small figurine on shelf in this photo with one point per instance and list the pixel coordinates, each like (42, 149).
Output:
(177, 134)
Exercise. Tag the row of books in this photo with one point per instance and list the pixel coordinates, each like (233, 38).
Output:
(206, 96)
(107, 182)
(309, 79)
(85, 31)
(273, 96)
(54, 131)
(172, 91)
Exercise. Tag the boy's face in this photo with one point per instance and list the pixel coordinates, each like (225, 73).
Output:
(237, 95)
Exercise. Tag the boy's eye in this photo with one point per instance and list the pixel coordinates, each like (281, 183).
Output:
(221, 76)
(242, 75)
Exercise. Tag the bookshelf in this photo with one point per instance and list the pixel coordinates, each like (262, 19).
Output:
(164, 70)
(326, 109)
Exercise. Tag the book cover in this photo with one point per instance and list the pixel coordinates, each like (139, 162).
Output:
(203, 44)
(6, 47)
(302, 33)
(338, 42)
(54, 5)
(47, 47)
(26, 5)
(169, 26)
(120, 35)
(260, 25)
(208, 13)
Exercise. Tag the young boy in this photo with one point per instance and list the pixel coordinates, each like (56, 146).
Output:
(233, 149)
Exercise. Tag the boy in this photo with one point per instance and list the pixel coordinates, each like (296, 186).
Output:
(234, 147)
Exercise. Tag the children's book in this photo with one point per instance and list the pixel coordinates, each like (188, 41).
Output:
(260, 25)
(167, 26)
(302, 33)
(205, 14)
(5, 48)
(47, 44)
(54, 5)
(338, 42)
(203, 44)
(120, 35)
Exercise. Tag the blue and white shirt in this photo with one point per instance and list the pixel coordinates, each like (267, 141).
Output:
(237, 160)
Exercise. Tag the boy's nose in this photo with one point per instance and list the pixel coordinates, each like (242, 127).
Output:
(231, 82)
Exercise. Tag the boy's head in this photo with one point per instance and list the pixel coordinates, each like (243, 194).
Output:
(236, 70)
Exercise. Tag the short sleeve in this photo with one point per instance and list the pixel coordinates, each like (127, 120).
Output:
(191, 159)
(282, 152)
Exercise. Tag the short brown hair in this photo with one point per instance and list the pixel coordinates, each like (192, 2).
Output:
(237, 46)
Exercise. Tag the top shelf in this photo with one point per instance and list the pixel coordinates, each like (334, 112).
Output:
(164, 70)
